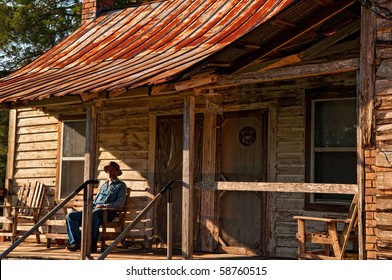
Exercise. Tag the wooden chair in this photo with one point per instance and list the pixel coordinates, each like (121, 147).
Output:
(108, 230)
(24, 212)
(56, 228)
(334, 241)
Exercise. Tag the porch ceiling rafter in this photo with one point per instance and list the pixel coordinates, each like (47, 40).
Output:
(290, 35)
(294, 72)
(308, 53)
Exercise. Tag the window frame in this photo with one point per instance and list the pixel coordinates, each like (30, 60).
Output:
(60, 158)
(311, 96)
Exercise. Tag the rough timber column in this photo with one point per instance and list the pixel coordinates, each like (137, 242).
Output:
(188, 176)
(90, 8)
(208, 232)
(365, 130)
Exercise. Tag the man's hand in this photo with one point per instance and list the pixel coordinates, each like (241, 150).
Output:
(100, 206)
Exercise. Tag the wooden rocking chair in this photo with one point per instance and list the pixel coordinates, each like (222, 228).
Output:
(334, 242)
(25, 211)
(108, 230)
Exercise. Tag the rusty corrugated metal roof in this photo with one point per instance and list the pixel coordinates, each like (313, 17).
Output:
(137, 46)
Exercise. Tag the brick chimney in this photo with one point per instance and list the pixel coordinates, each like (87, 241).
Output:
(90, 8)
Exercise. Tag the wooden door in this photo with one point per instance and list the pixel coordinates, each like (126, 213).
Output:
(169, 167)
(242, 159)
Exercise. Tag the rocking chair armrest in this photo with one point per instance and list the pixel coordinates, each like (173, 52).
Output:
(319, 219)
(27, 207)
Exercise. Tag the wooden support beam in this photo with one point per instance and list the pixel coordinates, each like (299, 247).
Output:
(55, 101)
(12, 126)
(366, 121)
(285, 61)
(89, 173)
(294, 72)
(283, 23)
(308, 53)
(300, 28)
(196, 81)
(333, 39)
(152, 152)
(279, 187)
(188, 177)
(208, 233)
(323, 2)
(163, 89)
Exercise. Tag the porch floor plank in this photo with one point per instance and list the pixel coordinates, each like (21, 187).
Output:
(31, 250)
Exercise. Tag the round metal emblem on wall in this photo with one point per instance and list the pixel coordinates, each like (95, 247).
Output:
(247, 136)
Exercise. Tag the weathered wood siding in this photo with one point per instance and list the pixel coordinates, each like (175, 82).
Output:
(35, 148)
(123, 136)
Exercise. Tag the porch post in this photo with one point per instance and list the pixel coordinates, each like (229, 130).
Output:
(89, 173)
(188, 177)
(366, 114)
(209, 234)
(10, 161)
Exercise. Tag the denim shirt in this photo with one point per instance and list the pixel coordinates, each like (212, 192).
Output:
(113, 195)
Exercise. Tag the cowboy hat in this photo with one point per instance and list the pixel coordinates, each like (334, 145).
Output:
(115, 165)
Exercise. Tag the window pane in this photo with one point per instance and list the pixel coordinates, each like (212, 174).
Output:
(72, 176)
(333, 167)
(74, 138)
(336, 167)
(335, 123)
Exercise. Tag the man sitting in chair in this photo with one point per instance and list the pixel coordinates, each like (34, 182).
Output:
(112, 194)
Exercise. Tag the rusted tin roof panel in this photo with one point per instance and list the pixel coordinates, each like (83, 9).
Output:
(137, 46)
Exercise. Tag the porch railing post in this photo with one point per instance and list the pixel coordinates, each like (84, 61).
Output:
(169, 224)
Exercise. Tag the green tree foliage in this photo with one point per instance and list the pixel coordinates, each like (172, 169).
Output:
(30, 27)
(3, 143)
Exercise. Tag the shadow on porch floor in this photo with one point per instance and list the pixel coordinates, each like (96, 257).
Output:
(30, 250)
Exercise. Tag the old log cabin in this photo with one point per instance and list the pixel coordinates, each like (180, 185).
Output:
(263, 109)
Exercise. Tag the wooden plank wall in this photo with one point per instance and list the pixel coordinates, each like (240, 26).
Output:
(123, 136)
(36, 148)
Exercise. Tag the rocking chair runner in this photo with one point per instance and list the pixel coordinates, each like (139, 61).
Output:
(25, 211)
(331, 238)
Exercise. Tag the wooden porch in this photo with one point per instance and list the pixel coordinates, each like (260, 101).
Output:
(32, 250)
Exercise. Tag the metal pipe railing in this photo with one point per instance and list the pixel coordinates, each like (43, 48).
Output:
(137, 220)
(46, 217)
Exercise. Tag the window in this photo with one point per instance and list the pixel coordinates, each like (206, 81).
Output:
(333, 146)
(72, 156)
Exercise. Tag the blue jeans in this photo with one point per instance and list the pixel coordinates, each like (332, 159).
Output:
(74, 222)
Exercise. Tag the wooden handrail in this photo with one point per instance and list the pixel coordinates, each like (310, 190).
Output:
(137, 219)
(46, 217)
